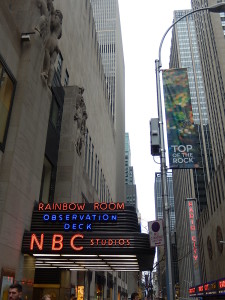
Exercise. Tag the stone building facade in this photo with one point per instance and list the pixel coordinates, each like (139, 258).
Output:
(58, 139)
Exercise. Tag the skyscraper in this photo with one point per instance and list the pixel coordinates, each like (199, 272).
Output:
(107, 22)
(131, 195)
(158, 198)
(161, 268)
(189, 183)
(198, 44)
(211, 42)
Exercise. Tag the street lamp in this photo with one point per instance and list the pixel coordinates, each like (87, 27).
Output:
(219, 7)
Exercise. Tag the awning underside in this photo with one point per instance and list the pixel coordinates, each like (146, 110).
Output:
(95, 262)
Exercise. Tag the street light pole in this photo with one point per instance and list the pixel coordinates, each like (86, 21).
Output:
(219, 7)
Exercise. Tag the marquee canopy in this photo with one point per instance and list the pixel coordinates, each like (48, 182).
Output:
(81, 236)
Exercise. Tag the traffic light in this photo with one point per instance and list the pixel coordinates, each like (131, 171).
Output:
(154, 137)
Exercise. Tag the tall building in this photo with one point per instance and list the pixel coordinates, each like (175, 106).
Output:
(185, 54)
(127, 158)
(198, 44)
(161, 254)
(210, 36)
(158, 199)
(107, 22)
(58, 148)
(131, 194)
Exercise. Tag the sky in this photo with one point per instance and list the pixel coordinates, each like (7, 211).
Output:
(143, 24)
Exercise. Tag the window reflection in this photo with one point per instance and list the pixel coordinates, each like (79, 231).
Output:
(6, 92)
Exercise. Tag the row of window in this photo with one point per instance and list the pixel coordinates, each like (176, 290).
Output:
(59, 67)
(110, 48)
(92, 167)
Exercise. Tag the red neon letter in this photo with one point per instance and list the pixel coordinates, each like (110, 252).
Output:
(103, 206)
(193, 238)
(195, 257)
(222, 284)
(48, 207)
(34, 239)
(96, 206)
(112, 206)
(80, 206)
(120, 206)
(64, 206)
(57, 239)
(72, 240)
(41, 206)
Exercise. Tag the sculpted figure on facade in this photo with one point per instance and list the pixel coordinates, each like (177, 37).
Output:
(50, 30)
(51, 46)
(46, 9)
(80, 117)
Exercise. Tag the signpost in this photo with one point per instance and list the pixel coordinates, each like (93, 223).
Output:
(156, 233)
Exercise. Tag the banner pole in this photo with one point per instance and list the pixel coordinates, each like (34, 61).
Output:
(166, 207)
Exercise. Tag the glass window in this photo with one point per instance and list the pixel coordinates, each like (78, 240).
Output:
(67, 77)
(7, 86)
(59, 65)
(92, 161)
(86, 150)
(46, 181)
(54, 115)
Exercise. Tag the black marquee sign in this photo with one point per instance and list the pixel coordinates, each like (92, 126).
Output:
(87, 228)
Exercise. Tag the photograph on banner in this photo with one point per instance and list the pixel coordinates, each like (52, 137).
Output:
(182, 134)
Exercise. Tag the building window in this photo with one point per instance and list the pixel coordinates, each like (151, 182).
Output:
(101, 186)
(92, 161)
(96, 164)
(86, 150)
(89, 156)
(54, 114)
(59, 65)
(7, 88)
(46, 181)
(97, 182)
(66, 79)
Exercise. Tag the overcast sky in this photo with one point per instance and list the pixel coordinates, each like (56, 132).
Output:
(143, 24)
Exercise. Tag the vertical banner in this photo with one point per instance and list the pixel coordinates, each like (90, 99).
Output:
(182, 133)
(192, 217)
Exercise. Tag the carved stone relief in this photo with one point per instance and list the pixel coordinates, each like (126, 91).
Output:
(50, 30)
(80, 118)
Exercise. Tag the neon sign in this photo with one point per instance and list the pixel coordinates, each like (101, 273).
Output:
(80, 206)
(201, 288)
(77, 216)
(216, 287)
(192, 291)
(193, 235)
(57, 242)
(210, 288)
(221, 286)
(73, 229)
(78, 222)
(193, 229)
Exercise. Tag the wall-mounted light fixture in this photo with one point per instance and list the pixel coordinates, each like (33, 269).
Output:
(25, 36)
